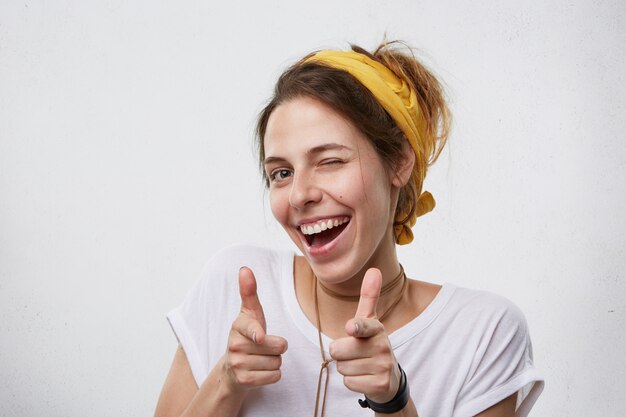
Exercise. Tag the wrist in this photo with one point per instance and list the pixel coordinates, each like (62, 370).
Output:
(397, 403)
(218, 394)
(227, 383)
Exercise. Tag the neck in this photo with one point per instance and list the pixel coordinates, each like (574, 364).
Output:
(332, 312)
(387, 287)
(384, 259)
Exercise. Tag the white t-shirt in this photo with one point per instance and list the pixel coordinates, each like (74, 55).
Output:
(465, 352)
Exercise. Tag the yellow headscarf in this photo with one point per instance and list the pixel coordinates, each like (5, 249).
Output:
(400, 101)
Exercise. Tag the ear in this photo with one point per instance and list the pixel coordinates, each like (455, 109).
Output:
(401, 173)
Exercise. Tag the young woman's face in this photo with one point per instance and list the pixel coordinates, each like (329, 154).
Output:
(328, 189)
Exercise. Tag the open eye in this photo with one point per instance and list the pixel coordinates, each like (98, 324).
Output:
(280, 174)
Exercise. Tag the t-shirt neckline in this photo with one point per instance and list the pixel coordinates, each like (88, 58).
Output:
(397, 338)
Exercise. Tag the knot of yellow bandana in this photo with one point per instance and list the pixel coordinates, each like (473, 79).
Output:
(400, 102)
(402, 229)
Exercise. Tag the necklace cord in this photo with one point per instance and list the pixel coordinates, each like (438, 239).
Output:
(384, 290)
(326, 362)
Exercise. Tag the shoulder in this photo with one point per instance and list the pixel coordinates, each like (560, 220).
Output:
(482, 318)
(485, 305)
(219, 274)
(499, 357)
(218, 283)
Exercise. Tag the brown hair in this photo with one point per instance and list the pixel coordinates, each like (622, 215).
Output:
(343, 93)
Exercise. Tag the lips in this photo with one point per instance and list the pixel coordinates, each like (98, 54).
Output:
(323, 231)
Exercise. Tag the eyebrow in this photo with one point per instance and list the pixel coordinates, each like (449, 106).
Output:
(313, 151)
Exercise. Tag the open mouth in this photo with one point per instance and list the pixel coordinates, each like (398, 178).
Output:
(321, 232)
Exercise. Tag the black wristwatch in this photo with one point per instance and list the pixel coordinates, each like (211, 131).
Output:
(396, 404)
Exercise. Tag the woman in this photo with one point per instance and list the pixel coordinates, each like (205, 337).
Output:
(344, 147)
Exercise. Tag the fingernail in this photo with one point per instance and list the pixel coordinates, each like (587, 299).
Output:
(254, 337)
(356, 328)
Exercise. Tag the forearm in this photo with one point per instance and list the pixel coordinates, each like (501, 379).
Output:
(216, 397)
(408, 411)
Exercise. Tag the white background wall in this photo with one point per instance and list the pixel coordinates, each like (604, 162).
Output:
(126, 159)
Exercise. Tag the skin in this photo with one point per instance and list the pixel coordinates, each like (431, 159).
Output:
(320, 166)
(330, 171)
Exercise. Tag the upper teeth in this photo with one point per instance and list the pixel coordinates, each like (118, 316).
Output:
(321, 225)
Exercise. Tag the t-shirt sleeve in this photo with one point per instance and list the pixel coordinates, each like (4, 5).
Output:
(202, 322)
(502, 364)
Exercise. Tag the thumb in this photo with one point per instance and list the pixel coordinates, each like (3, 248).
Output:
(370, 292)
(250, 303)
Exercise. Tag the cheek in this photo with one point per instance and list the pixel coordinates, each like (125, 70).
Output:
(377, 193)
(279, 203)
(347, 187)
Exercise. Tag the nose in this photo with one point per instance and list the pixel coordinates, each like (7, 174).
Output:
(304, 191)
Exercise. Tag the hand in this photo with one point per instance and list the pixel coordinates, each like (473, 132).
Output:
(365, 358)
(253, 358)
